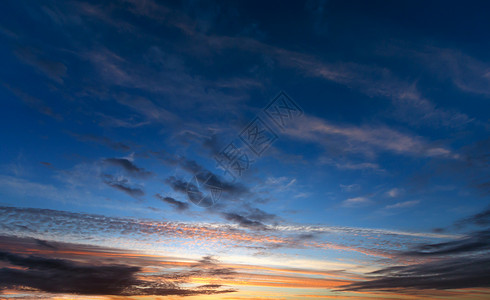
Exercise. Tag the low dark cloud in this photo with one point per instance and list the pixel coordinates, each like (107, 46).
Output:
(177, 184)
(260, 215)
(122, 184)
(477, 241)
(472, 242)
(243, 221)
(45, 244)
(67, 276)
(128, 166)
(456, 264)
(62, 276)
(207, 266)
(210, 265)
(470, 272)
(251, 217)
(479, 219)
(471, 168)
(179, 205)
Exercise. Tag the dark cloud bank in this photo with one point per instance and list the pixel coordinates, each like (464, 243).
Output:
(456, 264)
(54, 275)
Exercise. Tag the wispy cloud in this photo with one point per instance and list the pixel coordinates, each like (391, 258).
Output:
(394, 192)
(128, 166)
(356, 202)
(119, 146)
(179, 205)
(35, 103)
(403, 204)
(367, 140)
(350, 187)
(55, 70)
(122, 184)
(468, 73)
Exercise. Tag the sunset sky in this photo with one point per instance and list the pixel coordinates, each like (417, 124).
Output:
(244, 149)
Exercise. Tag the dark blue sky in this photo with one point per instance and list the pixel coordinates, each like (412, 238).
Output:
(113, 108)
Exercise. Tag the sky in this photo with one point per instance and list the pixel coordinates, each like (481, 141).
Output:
(244, 150)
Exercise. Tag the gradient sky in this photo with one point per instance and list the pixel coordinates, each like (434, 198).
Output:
(112, 111)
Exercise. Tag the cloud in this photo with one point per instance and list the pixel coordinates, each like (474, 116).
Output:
(178, 184)
(413, 108)
(477, 241)
(350, 187)
(472, 167)
(456, 264)
(198, 190)
(62, 276)
(206, 275)
(367, 140)
(480, 219)
(476, 165)
(471, 272)
(251, 217)
(356, 202)
(199, 194)
(35, 103)
(373, 80)
(354, 166)
(114, 68)
(394, 192)
(155, 67)
(67, 276)
(45, 244)
(168, 66)
(128, 166)
(177, 204)
(243, 221)
(402, 204)
(133, 233)
(466, 72)
(230, 190)
(118, 146)
(148, 109)
(209, 266)
(53, 69)
(190, 190)
(358, 231)
(122, 184)
(260, 215)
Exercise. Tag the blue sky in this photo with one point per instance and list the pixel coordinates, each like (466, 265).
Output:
(110, 109)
